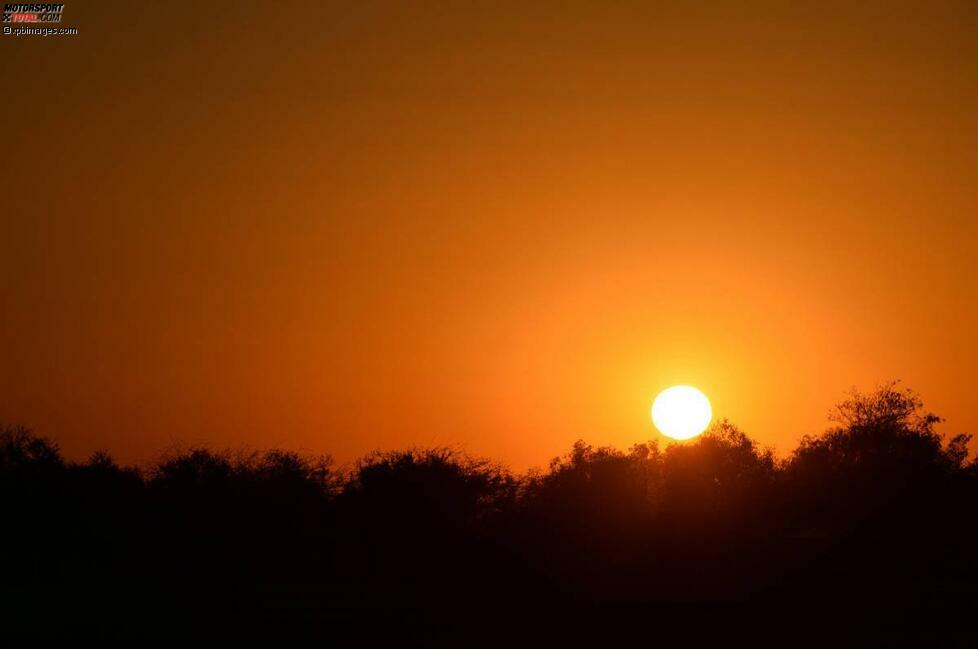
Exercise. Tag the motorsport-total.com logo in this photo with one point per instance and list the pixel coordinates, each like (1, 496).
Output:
(32, 13)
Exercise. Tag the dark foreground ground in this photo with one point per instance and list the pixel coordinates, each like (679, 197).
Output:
(865, 536)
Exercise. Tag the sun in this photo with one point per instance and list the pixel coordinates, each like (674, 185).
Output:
(681, 412)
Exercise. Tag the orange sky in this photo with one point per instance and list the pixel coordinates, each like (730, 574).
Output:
(344, 226)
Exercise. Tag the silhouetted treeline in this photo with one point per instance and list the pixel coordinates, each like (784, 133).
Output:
(878, 512)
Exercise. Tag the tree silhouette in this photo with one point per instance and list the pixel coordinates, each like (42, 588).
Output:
(421, 544)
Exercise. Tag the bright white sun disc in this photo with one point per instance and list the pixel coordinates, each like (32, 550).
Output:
(681, 412)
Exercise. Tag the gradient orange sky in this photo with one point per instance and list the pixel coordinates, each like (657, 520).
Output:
(344, 226)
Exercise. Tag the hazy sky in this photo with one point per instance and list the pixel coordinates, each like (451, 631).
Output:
(344, 226)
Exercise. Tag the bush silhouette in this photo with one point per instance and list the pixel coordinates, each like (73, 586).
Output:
(879, 508)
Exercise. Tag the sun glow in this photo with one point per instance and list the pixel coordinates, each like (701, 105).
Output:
(681, 412)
